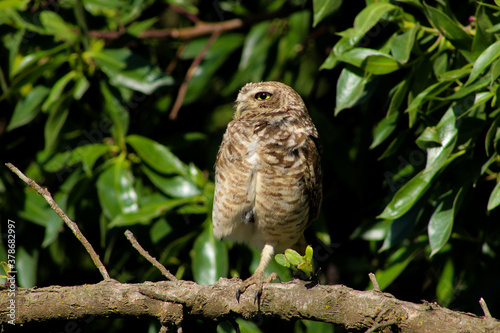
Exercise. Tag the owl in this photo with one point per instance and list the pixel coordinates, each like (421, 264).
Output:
(267, 175)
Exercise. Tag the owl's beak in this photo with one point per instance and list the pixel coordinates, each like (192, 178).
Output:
(239, 110)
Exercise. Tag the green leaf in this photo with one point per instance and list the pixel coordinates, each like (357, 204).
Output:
(425, 95)
(215, 57)
(445, 289)
(493, 132)
(27, 109)
(247, 326)
(318, 327)
(323, 8)
(449, 28)
(309, 254)
(383, 130)
(489, 55)
(176, 186)
(87, 154)
(55, 25)
(156, 155)
(408, 195)
(210, 258)
(367, 18)
(397, 263)
(126, 69)
(380, 64)
(256, 49)
(455, 74)
(55, 123)
(57, 90)
(37, 210)
(20, 5)
(32, 59)
(159, 230)
(27, 266)
(293, 257)
(144, 215)
(494, 199)
(441, 222)
(282, 260)
(115, 190)
(138, 27)
(401, 45)
(350, 89)
(372, 61)
(400, 229)
(118, 114)
(31, 74)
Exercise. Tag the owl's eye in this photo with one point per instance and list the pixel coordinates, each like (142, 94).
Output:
(261, 96)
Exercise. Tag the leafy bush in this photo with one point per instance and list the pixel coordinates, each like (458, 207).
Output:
(90, 89)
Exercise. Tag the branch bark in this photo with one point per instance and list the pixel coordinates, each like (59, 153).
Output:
(172, 302)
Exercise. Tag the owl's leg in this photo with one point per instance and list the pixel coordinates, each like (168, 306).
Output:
(258, 277)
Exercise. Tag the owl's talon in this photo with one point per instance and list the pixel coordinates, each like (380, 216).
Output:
(257, 296)
(259, 281)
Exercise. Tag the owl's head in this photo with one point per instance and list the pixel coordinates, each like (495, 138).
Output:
(256, 99)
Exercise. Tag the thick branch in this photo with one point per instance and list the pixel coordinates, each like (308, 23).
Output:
(171, 302)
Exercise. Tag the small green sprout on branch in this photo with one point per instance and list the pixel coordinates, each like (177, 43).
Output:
(299, 264)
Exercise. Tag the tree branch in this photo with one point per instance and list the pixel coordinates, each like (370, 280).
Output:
(171, 302)
(150, 258)
(72, 225)
(200, 28)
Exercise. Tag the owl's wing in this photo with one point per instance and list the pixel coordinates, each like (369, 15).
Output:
(313, 175)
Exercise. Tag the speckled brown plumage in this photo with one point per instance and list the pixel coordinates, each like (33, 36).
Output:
(268, 177)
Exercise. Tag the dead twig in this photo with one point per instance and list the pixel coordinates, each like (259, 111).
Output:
(72, 225)
(196, 62)
(151, 259)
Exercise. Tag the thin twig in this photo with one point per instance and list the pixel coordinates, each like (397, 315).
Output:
(72, 225)
(151, 259)
(374, 281)
(184, 12)
(196, 62)
(201, 28)
(486, 311)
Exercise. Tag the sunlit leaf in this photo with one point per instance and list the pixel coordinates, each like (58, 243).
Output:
(323, 8)
(126, 69)
(145, 214)
(27, 109)
(54, 24)
(449, 28)
(156, 155)
(489, 55)
(118, 116)
(494, 199)
(115, 190)
(441, 222)
(401, 45)
(445, 289)
(367, 18)
(350, 89)
(27, 266)
(210, 259)
(174, 186)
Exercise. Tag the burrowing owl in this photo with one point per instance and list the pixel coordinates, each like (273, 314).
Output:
(268, 176)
